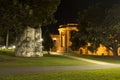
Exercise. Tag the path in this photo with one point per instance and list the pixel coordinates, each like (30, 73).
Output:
(37, 69)
(91, 61)
(42, 69)
(88, 60)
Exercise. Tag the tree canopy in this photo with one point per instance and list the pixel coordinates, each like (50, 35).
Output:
(112, 28)
(99, 25)
(18, 14)
(90, 25)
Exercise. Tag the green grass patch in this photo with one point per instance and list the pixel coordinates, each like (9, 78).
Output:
(100, 74)
(7, 58)
(110, 59)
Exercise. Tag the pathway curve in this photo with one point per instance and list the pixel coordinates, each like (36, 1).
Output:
(85, 59)
(89, 60)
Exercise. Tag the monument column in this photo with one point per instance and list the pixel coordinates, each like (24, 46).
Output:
(60, 38)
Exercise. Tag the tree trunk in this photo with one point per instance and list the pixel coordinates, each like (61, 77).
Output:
(29, 44)
(115, 52)
(48, 52)
(7, 39)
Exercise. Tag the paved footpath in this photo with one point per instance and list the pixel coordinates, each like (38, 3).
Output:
(43, 69)
(89, 60)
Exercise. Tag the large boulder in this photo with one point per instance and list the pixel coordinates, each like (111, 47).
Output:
(29, 43)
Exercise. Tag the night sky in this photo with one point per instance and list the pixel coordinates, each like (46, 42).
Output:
(68, 10)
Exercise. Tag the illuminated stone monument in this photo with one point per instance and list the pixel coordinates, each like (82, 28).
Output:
(64, 35)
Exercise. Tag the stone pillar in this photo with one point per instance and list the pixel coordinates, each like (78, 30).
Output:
(29, 44)
(60, 39)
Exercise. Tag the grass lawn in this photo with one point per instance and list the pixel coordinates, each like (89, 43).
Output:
(109, 59)
(7, 58)
(102, 74)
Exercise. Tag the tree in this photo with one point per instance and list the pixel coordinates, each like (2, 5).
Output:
(112, 28)
(77, 39)
(90, 27)
(101, 26)
(28, 15)
(6, 21)
(47, 42)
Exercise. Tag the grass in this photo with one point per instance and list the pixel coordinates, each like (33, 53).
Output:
(100, 74)
(7, 58)
(110, 59)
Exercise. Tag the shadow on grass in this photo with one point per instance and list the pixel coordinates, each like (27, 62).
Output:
(52, 55)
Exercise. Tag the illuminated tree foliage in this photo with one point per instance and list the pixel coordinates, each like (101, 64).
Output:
(90, 27)
(112, 28)
(99, 25)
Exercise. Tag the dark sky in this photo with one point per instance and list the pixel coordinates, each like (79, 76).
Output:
(68, 10)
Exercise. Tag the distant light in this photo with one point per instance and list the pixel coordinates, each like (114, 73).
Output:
(41, 39)
(54, 39)
(14, 46)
